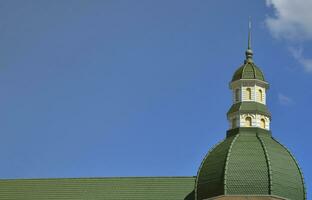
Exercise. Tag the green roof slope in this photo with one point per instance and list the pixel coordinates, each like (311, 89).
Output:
(287, 179)
(130, 188)
(248, 71)
(210, 176)
(249, 107)
(249, 162)
(246, 169)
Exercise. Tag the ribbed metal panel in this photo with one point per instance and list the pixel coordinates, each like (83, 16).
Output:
(286, 176)
(254, 164)
(247, 167)
(210, 180)
(248, 71)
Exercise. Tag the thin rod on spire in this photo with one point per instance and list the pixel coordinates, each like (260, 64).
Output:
(249, 52)
(249, 34)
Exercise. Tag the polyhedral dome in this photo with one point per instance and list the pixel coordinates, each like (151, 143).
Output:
(248, 71)
(249, 162)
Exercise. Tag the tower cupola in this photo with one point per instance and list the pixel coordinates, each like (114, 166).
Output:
(249, 89)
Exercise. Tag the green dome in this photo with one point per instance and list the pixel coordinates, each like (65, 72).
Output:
(248, 71)
(249, 162)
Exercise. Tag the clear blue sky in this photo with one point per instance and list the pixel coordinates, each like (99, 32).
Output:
(138, 88)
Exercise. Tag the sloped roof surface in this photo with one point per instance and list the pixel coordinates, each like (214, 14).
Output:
(249, 107)
(247, 197)
(130, 188)
(250, 162)
(248, 71)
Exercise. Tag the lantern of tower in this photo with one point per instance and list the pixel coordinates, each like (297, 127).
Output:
(249, 95)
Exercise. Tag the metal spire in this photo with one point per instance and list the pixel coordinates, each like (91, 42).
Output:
(249, 34)
(249, 52)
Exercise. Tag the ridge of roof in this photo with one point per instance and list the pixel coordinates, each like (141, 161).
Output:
(227, 162)
(105, 177)
(202, 163)
(298, 167)
(267, 158)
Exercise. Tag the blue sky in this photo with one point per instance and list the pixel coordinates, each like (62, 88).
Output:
(140, 88)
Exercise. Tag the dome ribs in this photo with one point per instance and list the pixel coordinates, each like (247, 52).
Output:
(227, 161)
(268, 163)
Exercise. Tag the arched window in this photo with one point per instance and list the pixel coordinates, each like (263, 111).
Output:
(248, 94)
(260, 95)
(262, 123)
(248, 122)
(237, 95)
(234, 123)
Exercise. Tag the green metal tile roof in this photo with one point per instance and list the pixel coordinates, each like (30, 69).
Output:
(127, 188)
(287, 179)
(249, 107)
(210, 175)
(243, 174)
(249, 162)
(247, 197)
(248, 71)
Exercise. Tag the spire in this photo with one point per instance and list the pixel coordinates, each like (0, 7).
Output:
(249, 34)
(249, 52)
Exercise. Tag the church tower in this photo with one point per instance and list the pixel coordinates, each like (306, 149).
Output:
(249, 95)
(249, 162)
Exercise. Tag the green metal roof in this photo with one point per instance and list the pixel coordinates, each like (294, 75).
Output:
(127, 188)
(250, 162)
(248, 71)
(247, 197)
(248, 107)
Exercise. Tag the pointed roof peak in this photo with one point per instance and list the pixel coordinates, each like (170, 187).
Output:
(249, 52)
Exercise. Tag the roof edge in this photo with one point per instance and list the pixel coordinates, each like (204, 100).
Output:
(267, 158)
(298, 167)
(237, 195)
(88, 178)
(255, 81)
(201, 165)
(226, 163)
(248, 107)
(248, 130)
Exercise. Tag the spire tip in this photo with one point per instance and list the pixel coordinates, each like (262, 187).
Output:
(249, 52)
(249, 34)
